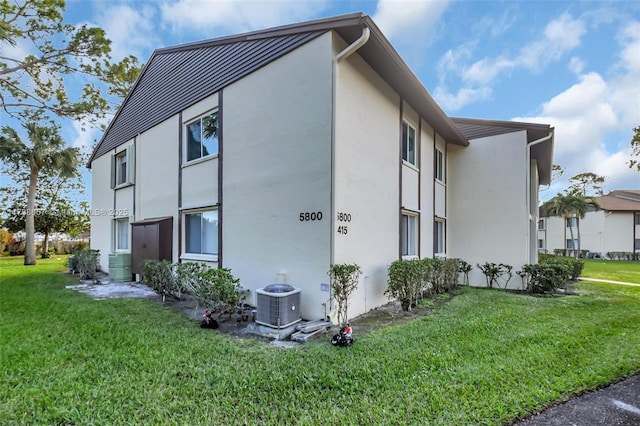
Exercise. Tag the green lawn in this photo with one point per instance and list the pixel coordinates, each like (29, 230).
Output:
(616, 270)
(486, 357)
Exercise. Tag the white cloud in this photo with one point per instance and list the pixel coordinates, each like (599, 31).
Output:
(559, 37)
(228, 16)
(576, 65)
(409, 21)
(465, 96)
(130, 29)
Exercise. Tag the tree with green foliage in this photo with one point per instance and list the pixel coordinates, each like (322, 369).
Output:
(56, 206)
(587, 184)
(568, 206)
(47, 152)
(635, 149)
(32, 78)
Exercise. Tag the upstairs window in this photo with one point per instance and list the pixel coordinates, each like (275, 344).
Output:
(541, 224)
(571, 222)
(122, 168)
(408, 143)
(439, 166)
(202, 137)
(637, 218)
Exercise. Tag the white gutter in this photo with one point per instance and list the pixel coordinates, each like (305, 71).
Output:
(344, 54)
(528, 180)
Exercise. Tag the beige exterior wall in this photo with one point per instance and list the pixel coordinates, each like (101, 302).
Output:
(367, 167)
(276, 165)
(487, 216)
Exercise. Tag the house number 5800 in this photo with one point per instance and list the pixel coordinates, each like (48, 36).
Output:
(307, 216)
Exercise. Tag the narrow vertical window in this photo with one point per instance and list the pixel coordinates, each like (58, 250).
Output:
(122, 234)
(408, 144)
(438, 238)
(439, 166)
(409, 235)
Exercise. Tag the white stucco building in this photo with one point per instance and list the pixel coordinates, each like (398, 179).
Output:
(615, 227)
(280, 152)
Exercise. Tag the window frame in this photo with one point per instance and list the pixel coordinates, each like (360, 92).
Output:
(439, 238)
(574, 244)
(121, 177)
(439, 168)
(202, 255)
(571, 222)
(185, 145)
(636, 217)
(409, 244)
(541, 224)
(117, 237)
(406, 145)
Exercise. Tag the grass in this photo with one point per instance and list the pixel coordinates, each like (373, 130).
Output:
(485, 357)
(616, 270)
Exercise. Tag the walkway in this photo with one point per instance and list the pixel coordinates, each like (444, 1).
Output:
(597, 280)
(618, 404)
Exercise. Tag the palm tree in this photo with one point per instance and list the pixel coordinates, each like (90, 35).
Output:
(569, 206)
(47, 152)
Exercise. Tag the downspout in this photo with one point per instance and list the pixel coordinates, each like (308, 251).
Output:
(528, 180)
(344, 54)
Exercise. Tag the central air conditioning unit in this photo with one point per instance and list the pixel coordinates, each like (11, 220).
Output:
(278, 305)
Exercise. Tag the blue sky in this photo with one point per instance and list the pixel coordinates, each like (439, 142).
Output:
(573, 65)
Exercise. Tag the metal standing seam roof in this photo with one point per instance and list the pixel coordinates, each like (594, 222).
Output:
(543, 153)
(177, 77)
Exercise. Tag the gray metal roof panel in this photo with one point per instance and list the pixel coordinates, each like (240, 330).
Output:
(175, 79)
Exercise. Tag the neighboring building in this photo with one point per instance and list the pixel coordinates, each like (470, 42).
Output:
(615, 227)
(280, 152)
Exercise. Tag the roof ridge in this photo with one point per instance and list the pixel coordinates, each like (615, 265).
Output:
(281, 30)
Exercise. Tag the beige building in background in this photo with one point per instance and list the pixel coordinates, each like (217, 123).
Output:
(615, 227)
(280, 152)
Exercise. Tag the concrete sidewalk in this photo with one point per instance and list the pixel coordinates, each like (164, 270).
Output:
(597, 280)
(617, 404)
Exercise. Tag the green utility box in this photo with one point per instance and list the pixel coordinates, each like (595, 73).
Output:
(120, 267)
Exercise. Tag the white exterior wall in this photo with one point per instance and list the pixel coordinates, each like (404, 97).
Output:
(157, 164)
(367, 167)
(600, 231)
(487, 217)
(101, 202)
(200, 178)
(426, 189)
(276, 165)
(618, 231)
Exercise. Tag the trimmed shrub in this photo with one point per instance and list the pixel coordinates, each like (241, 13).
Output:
(544, 278)
(573, 266)
(493, 272)
(188, 279)
(344, 281)
(464, 268)
(221, 287)
(86, 262)
(157, 274)
(405, 283)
